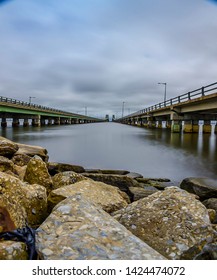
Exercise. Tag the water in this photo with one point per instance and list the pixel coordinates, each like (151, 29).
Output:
(151, 152)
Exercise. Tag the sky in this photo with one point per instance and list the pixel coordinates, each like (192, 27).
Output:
(93, 55)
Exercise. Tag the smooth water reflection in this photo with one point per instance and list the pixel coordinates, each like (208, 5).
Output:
(151, 152)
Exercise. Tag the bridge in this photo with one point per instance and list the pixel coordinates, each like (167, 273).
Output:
(181, 113)
(39, 115)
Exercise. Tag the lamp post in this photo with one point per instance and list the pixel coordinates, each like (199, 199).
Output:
(123, 109)
(30, 99)
(165, 90)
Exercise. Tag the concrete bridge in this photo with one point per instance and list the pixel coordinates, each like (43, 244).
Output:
(39, 115)
(181, 113)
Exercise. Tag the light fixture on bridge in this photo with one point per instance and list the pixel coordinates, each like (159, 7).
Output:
(165, 90)
(30, 99)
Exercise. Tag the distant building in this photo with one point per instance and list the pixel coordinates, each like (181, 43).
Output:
(113, 117)
(107, 118)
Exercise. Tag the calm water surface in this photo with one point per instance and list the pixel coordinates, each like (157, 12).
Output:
(151, 152)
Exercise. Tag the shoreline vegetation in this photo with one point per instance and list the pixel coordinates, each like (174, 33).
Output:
(75, 213)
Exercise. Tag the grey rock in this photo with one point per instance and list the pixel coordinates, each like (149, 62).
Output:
(55, 167)
(78, 230)
(203, 187)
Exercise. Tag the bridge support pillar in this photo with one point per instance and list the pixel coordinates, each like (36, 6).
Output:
(42, 122)
(57, 121)
(4, 122)
(151, 124)
(168, 124)
(15, 122)
(49, 122)
(36, 121)
(176, 126)
(159, 124)
(25, 123)
(207, 128)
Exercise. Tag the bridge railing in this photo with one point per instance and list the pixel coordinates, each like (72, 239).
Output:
(200, 92)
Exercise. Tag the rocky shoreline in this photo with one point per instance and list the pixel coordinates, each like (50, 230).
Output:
(91, 214)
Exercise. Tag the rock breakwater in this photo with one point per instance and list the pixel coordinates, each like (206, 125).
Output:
(86, 214)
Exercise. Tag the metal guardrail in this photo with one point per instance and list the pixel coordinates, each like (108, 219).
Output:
(39, 107)
(200, 92)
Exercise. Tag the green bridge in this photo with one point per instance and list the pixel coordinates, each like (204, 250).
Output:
(39, 115)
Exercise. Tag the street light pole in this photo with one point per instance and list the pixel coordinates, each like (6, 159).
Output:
(165, 90)
(123, 109)
(30, 99)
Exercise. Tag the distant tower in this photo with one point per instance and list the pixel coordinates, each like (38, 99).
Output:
(107, 118)
(113, 118)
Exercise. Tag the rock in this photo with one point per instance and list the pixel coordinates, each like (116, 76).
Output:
(12, 250)
(141, 192)
(146, 180)
(6, 164)
(37, 173)
(203, 187)
(20, 171)
(32, 151)
(12, 212)
(210, 203)
(78, 230)
(209, 252)
(54, 168)
(122, 182)
(114, 172)
(21, 203)
(170, 221)
(21, 159)
(134, 175)
(109, 198)
(35, 204)
(66, 178)
(7, 147)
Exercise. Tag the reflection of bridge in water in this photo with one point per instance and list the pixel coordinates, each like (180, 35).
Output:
(40, 115)
(182, 113)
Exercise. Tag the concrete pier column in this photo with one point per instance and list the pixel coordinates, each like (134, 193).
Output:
(188, 126)
(42, 122)
(49, 122)
(25, 123)
(207, 128)
(36, 121)
(4, 122)
(15, 122)
(168, 124)
(151, 124)
(195, 126)
(176, 126)
(57, 121)
(159, 124)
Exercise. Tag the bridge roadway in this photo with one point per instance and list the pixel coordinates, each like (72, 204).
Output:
(181, 113)
(40, 115)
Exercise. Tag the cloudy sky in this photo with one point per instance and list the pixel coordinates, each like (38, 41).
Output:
(72, 54)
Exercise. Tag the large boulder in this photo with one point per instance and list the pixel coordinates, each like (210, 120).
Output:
(170, 221)
(21, 203)
(13, 250)
(55, 168)
(6, 164)
(7, 147)
(78, 230)
(108, 197)
(29, 150)
(211, 203)
(123, 182)
(203, 187)
(66, 178)
(37, 173)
